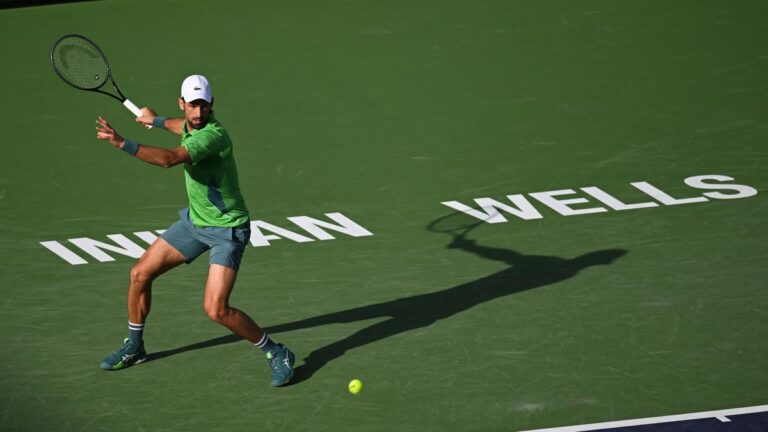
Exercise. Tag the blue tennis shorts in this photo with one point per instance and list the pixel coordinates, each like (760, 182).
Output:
(226, 244)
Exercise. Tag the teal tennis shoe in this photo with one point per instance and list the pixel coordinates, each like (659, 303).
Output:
(280, 361)
(128, 355)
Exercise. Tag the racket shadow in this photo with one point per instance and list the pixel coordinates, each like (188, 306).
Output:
(525, 272)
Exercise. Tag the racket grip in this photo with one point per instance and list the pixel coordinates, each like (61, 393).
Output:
(134, 109)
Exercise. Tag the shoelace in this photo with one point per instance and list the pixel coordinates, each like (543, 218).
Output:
(275, 362)
(122, 349)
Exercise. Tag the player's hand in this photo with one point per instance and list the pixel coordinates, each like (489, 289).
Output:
(105, 132)
(147, 117)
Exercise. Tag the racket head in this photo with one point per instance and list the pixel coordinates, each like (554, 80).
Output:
(80, 62)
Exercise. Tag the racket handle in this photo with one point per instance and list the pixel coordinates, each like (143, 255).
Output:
(134, 109)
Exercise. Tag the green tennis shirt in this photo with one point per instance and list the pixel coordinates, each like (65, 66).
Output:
(211, 177)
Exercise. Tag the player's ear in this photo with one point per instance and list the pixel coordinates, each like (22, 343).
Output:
(212, 99)
(181, 103)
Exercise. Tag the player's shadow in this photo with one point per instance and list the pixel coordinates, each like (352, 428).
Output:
(195, 346)
(525, 272)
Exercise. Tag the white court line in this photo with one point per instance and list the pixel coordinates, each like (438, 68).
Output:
(721, 415)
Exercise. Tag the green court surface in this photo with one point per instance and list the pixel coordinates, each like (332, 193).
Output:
(383, 111)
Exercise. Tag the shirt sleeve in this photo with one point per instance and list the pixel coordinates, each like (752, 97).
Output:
(203, 145)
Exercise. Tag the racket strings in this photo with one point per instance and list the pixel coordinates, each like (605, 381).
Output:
(80, 63)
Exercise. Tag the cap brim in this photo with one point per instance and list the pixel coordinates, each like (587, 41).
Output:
(194, 97)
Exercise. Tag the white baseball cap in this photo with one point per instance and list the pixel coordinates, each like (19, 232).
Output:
(196, 87)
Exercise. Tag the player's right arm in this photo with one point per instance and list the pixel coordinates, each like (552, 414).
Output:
(172, 125)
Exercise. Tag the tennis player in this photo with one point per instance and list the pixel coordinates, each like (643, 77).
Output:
(216, 220)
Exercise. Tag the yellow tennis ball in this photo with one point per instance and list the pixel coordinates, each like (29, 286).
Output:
(355, 386)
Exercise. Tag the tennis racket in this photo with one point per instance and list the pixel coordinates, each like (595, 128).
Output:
(82, 64)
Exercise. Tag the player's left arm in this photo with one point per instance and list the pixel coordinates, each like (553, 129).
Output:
(159, 156)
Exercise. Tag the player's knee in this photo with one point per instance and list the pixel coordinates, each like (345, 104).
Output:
(140, 275)
(216, 312)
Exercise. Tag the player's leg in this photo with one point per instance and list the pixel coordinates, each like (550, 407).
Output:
(158, 259)
(177, 245)
(227, 248)
(221, 281)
